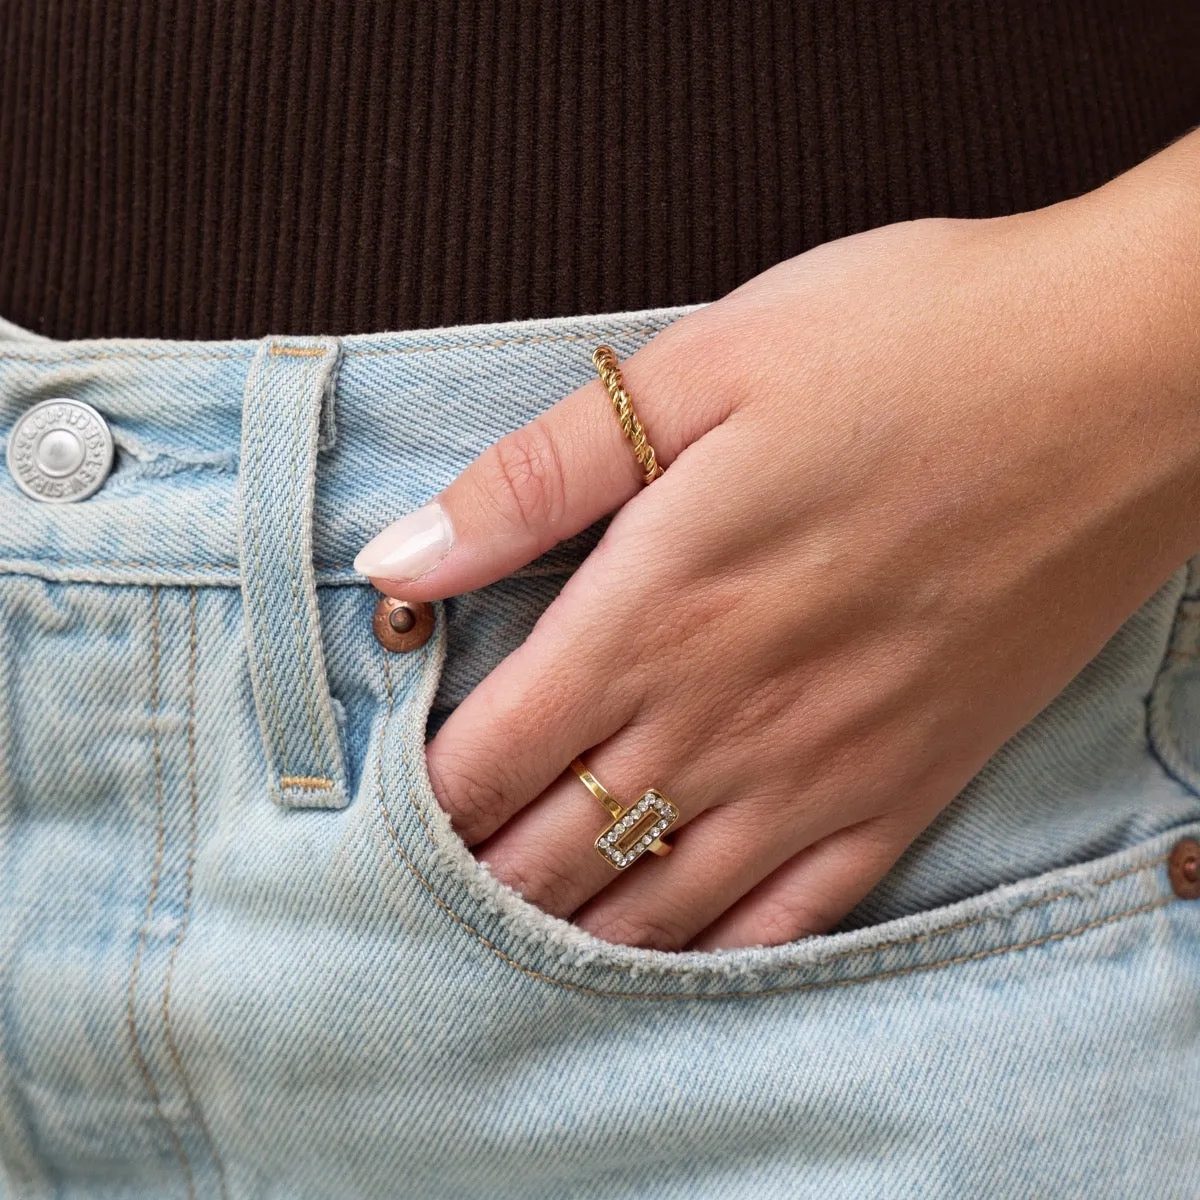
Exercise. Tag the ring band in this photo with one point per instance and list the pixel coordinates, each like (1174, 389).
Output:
(604, 359)
(634, 829)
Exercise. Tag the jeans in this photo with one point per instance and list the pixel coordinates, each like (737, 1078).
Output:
(243, 953)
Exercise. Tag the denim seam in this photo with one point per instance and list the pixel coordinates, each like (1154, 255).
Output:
(387, 676)
(306, 782)
(304, 651)
(787, 989)
(189, 896)
(598, 331)
(258, 616)
(520, 572)
(151, 899)
(532, 972)
(1160, 738)
(914, 939)
(1191, 586)
(106, 562)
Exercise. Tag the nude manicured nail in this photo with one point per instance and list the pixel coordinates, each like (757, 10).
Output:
(410, 547)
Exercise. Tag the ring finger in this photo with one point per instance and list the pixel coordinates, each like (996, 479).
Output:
(547, 852)
(719, 858)
(721, 848)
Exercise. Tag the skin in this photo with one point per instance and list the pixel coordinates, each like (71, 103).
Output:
(915, 479)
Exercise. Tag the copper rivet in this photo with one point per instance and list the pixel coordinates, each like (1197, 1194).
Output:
(401, 625)
(1183, 868)
(401, 618)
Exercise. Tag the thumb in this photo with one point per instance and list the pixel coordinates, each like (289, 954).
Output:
(534, 487)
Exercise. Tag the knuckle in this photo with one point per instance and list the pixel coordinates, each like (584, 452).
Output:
(527, 472)
(777, 923)
(474, 802)
(639, 929)
(547, 885)
(671, 626)
(661, 368)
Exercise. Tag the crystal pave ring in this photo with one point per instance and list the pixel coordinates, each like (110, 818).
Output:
(635, 829)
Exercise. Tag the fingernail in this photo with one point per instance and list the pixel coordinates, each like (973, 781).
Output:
(410, 547)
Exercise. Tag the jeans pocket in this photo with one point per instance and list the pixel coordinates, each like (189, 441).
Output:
(1109, 763)
(1053, 889)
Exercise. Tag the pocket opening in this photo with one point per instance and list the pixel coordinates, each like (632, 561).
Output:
(1045, 909)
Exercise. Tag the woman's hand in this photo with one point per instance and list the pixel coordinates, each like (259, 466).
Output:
(911, 489)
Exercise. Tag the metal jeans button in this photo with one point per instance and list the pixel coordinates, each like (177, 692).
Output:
(1183, 869)
(60, 451)
(402, 624)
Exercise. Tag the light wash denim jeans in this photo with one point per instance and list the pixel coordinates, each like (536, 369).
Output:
(243, 954)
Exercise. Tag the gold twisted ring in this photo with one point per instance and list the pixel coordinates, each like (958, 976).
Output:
(634, 829)
(604, 359)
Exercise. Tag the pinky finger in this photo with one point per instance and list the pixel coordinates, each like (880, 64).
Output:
(811, 892)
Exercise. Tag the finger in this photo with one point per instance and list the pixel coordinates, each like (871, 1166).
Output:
(810, 893)
(510, 738)
(548, 480)
(567, 690)
(580, 675)
(610, 643)
(663, 904)
(547, 851)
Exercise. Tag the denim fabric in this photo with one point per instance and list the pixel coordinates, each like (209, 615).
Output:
(213, 985)
(288, 391)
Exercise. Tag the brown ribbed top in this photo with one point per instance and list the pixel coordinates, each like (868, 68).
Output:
(222, 168)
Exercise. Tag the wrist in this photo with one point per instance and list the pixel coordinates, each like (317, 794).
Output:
(1122, 269)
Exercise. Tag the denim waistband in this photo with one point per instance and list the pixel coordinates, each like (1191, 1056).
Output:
(401, 415)
(263, 466)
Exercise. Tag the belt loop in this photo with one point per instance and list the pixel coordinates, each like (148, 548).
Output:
(287, 414)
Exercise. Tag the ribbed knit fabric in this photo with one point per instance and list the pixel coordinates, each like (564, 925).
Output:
(225, 168)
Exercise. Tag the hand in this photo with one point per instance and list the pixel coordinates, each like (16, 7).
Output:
(900, 512)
